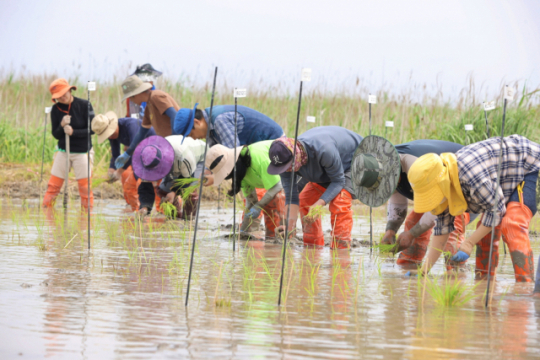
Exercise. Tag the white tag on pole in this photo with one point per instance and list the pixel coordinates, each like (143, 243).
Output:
(135, 115)
(91, 86)
(389, 124)
(240, 93)
(306, 74)
(468, 127)
(310, 119)
(48, 109)
(372, 99)
(509, 93)
(490, 105)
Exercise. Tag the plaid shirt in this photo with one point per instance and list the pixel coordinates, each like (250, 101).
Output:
(222, 130)
(478, 164)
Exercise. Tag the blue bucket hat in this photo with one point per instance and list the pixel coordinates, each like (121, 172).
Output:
(183, 122)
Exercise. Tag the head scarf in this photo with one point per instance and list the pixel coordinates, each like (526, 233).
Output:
(301, 154)
(450, 187)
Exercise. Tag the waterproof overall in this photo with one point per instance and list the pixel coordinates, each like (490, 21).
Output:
(515, 233)
(273, 212)
(341, 218)
(415, 253)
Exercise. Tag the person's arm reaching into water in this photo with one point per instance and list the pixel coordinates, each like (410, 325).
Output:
(141, 134)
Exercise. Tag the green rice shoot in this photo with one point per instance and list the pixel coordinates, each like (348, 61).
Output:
(169, 210)
(315, 212)
(187, 190)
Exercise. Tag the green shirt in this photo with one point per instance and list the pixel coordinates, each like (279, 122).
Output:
(257, 176)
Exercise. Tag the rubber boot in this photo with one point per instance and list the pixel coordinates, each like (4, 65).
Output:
(414, 254)
(130, 186)
(53, 189)
(83, 192)
(482, 253)
(274, 214)
(515, 232)
(313, 233)
(341, 220)
(189, 209)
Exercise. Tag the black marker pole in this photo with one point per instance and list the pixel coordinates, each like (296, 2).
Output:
(306, 76)
(200, 192)
(91, 87)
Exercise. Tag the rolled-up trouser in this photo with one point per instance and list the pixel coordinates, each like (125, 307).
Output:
(148, 194)
(79, 163)
(515, 233)
(415, 254)
(130, 185)
(341, 217)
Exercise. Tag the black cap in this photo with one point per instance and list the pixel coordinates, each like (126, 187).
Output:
(280, 158)
(147, 69)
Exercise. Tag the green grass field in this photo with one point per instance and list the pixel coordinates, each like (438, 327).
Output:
(23, 100)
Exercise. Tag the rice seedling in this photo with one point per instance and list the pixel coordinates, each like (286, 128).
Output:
(187, 187)
(386, 248)
(452, 293)
(315, 212)
(169, 210)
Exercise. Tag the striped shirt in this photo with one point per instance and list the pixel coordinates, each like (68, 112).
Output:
(477, 164)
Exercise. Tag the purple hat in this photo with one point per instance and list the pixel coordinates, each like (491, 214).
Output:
(280, 158)
(153, 158)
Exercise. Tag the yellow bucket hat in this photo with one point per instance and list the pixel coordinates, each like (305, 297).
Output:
(434, 178)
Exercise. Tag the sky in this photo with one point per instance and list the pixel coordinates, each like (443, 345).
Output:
(389, 44)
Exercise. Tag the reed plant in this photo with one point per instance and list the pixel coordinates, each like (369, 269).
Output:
(418, 112)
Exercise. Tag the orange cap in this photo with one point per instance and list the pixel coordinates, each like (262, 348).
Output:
(59, 87)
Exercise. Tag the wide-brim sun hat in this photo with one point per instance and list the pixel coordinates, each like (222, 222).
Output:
(184, 120)
(104, 125)
(375, 170)
(153, 158)
(59, 87)
(220, 160)
(425, 175)
(133, 85)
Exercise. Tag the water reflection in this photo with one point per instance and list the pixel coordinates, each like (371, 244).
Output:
(126, 297)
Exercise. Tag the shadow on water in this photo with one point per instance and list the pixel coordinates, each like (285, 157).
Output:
(125, 297)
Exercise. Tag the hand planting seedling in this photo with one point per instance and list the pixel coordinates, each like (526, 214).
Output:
(314, 214)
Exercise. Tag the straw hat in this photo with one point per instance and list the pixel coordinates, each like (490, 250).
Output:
(425, 176)
(153, 158)
(104, 125)
(59, 87)
(133, 85)
(375, 170)
(220, 160)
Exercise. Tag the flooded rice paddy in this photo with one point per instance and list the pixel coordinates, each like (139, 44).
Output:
(125, 297)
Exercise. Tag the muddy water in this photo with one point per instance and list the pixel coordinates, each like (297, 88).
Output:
(125, 297)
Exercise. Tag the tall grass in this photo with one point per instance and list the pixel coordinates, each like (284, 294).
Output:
(416, 113)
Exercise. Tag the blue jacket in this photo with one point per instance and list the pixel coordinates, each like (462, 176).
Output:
(330, 150)
(418, 148)
(256, 126)
(128, 129)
